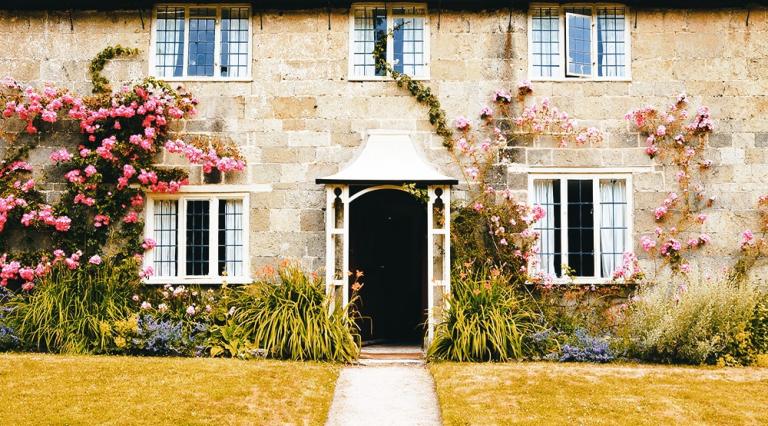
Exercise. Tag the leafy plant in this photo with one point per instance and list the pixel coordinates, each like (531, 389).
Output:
(289, 315)
(8, 338)
(487, 320)
(705, 322)
(583, 347)
(73, 310)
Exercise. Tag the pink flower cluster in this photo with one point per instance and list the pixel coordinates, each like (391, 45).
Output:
(629, 270)
(44, 214)
(209, 159)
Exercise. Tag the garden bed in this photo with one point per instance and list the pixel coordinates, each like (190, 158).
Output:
(549, 393)
(131, 390)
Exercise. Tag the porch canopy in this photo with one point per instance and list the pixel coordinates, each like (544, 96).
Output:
(388, 158)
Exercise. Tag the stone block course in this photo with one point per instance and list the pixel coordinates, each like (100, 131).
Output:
(299, 118)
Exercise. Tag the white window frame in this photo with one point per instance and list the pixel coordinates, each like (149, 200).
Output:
(390, 46)
(562, 74)
(595, 177)
(213, 276)
(216, 48)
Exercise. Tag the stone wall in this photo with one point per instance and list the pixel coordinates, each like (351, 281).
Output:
(300, 118)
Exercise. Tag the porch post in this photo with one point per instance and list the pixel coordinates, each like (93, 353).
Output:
(438, 254)
(337, 244)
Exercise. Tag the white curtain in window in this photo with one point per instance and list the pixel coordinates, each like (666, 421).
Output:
(613, 224)
(544, 196)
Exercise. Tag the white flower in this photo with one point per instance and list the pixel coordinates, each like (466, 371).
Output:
(190, 310)
(162, 307)
(146, 305)
(135, 298)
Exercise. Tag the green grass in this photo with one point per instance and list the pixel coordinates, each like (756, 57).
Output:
(56, 389)
(550, 393)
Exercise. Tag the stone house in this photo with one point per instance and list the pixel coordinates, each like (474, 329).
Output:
(293, 84)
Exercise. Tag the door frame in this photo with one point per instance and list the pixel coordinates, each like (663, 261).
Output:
(338, 202)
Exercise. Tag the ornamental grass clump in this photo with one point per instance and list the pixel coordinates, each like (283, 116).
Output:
(288, 314)
(704, 322)
(487, 320)
(72, 309)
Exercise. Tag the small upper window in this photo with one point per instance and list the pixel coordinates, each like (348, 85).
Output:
(202, 42)
(579, 42)
(407, 49)
(587, 225)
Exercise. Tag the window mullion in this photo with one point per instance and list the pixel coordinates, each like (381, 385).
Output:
(596, 216)
(390, 40)
(217, 44)
(181, 238)
(564, 221)
(563, 35)
(213, 237)
(593, 43)
(185, 50)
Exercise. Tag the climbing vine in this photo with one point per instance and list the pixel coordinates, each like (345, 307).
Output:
(103, 177)
(100, 83)
(677, 140)
(417, 89)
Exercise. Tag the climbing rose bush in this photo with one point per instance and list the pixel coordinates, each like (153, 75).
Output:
(493, 218)
(677, 139)
(105, 175)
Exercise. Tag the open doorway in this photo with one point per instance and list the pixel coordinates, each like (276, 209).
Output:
(387, 241)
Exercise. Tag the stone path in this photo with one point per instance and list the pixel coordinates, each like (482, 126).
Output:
(393, 393)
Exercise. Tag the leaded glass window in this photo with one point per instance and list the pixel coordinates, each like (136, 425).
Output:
(586, 226)
(202, 42)
(198, 238)
(578, 41)
(407, 50)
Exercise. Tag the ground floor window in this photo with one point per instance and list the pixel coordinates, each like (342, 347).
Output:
(587, 226)
(198, 238)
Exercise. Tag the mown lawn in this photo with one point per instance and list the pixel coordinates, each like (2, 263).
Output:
(551, 393)
(56, 389)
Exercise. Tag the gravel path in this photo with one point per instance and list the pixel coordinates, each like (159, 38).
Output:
(385, 395)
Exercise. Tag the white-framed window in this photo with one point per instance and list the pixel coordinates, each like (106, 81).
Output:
(200, 238)
(201, 42)
(587, 226)
(407, 49)
(578, 41)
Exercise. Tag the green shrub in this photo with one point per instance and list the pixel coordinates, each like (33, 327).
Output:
(289, 316)
(707, 322)
(487, 320)
(758, 327)
(73, 311)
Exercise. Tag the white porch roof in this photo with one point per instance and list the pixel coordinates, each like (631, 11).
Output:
(388, 157)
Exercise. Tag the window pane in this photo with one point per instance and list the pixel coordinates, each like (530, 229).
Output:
(202, 22)
(546, 193)
(169, 46)
(579, 44)
(165, 219)
(581, 237)
(610, 42)
(370, 27)
(198, 227)
(613, 225)
(408, 40)
(231, 237)
(545, 56)
(235, 22)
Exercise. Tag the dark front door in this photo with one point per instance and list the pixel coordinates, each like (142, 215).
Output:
(388, 243)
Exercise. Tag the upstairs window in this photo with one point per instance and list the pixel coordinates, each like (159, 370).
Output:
(587, 226)
(199, 42)
(408, 48)
(199, 238)
(589, 42)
